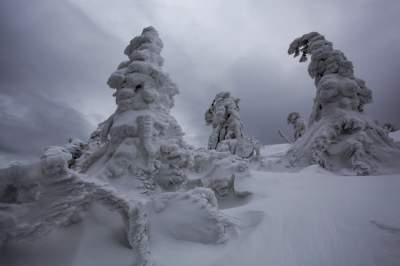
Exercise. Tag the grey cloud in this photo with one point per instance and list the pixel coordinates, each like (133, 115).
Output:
(51, 56)
(41, 123)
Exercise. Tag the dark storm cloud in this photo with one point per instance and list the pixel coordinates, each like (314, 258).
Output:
(373, 48)
(51, 54)
(64, 52)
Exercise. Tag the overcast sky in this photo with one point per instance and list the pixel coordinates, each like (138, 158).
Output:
(57, 55)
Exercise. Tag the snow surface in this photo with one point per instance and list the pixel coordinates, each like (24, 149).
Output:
(395, 135)
(311, 218)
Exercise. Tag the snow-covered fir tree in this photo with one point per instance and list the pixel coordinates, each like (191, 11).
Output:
(339, 134)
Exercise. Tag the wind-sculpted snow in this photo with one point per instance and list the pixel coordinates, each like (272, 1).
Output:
(191, 216)
(227, 135)
(339, 135)
(36, 199)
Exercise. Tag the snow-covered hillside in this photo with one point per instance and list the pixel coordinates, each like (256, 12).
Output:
(309, 218)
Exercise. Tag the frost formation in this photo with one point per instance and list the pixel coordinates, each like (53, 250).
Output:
(339, 135)
(227, 128)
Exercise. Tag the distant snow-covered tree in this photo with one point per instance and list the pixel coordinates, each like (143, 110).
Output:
(298, 124)
(227, 128)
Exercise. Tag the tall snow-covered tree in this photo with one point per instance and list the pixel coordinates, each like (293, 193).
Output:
(141, 126)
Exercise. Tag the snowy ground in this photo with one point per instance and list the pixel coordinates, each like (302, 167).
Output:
(308, 218)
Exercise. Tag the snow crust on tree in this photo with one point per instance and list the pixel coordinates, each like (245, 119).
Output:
(298, 124)
(227, 128)
(339, 135)
(132, 140)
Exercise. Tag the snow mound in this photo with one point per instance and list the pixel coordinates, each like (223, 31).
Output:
(190, 216)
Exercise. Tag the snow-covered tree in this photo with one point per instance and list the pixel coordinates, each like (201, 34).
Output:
(227, 135)
(298, 124)
(339, 135)
(137, 139)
